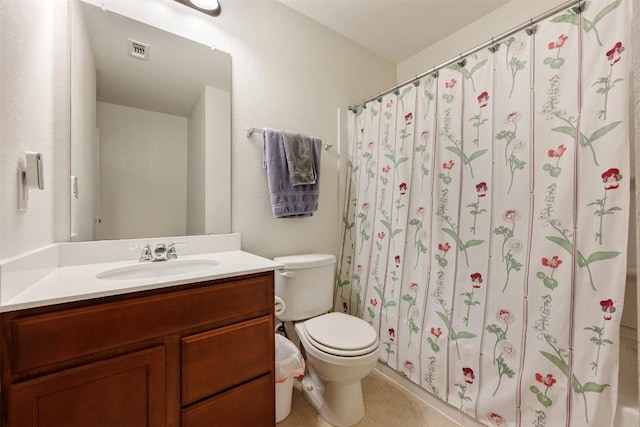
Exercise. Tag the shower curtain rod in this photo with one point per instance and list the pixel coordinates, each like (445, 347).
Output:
(487, 44)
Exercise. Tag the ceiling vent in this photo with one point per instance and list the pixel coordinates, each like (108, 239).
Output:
(138, 50)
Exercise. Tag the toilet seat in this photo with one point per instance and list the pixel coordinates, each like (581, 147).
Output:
(341, 335)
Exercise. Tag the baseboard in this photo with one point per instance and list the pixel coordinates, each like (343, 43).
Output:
(457, 418)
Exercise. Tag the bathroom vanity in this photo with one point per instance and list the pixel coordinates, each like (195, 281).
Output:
(198, 353)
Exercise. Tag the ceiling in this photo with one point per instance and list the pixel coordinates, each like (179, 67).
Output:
(395, 29)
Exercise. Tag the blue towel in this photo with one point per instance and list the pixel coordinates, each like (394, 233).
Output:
(288, 201)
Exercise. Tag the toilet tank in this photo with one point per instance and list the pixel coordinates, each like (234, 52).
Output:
(305, 284)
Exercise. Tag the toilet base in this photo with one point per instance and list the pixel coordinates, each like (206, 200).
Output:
(339, 403)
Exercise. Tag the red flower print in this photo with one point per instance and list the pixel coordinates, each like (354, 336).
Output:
(476, 279)
(386, 169)
(392, 334)
(504, 316)
(608, 308)
(444, 247)
(613, 55)
(413, 287)
(397, 260)
(361, 130)
(450, 84)
(547, 380)
(365, 206)
(468, 375)
(390, 103)
(370, 146)
(511, 215)
(611, 178)
(558, 44)
(483, 99)
(359, 268)
(403, 188)
(513, 117)
(481, 189)
(407, 118)
(408, 366)
(558, 152)
(381, 235)
(436, 332)
(374, 302)
(554, 262)
(420, 211)
(497, 419)
(448, 165)
(425, 135)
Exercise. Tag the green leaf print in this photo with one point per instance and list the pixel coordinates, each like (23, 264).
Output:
(476, 154)
(463, 335)
(571, 17)
(452, 333)
(468, 74)
(472, 243)
(582, 261)
(599, 256)
(591, 387)
(462, 246)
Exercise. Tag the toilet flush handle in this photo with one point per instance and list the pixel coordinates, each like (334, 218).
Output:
(287, 274)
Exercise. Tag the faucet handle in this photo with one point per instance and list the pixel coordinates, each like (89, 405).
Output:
(146, 255)
(171, 249)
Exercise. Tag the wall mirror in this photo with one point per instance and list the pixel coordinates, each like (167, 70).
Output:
(150, 130)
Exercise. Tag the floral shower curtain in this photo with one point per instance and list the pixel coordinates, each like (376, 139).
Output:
(486, 223)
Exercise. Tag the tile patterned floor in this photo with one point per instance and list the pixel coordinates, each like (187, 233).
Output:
(386, 405)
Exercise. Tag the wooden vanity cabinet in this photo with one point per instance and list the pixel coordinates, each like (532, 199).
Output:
(194, 355)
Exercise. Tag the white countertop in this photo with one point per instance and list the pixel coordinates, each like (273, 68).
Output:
(79, 282)
(54, 282)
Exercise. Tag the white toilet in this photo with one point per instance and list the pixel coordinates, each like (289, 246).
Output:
(340, 349)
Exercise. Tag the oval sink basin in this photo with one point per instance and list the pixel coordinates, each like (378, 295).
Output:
(150, 270)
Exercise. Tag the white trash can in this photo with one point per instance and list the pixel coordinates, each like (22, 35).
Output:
(289, 364)
(284, 392)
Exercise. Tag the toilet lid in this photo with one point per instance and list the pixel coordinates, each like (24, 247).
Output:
(341, 331)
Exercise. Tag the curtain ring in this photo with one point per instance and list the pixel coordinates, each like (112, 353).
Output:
(493, 47)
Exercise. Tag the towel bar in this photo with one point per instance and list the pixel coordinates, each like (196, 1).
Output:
(251, 131)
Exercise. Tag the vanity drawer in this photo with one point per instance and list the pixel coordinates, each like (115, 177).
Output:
(50, 338)
(251, 404)
(222, 358)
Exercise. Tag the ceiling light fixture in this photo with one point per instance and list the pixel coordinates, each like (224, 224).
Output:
(210, 7)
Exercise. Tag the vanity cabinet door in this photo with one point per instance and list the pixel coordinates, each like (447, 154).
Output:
(124, 391)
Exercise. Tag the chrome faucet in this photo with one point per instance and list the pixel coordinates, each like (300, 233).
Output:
(160, 252)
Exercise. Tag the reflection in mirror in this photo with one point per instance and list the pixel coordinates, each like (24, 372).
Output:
(150, 130)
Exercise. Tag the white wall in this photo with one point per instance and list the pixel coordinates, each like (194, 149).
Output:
(495, 23)
(218, 161)
(26, 120)
(196, 167)
(288, 72)
(84, 149)
(143, 176)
